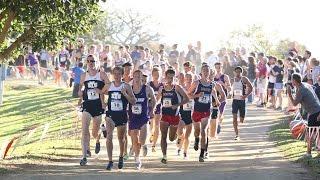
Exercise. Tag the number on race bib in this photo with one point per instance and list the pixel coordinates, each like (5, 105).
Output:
(204, 99)
(237, 92)
(92, 94)
(167, 102)
(137, 109)
(116, 105)
(188, 106)
(63, 59)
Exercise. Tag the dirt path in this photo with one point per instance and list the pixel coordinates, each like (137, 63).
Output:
(253, 157)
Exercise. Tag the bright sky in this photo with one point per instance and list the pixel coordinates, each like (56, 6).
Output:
(185, 21)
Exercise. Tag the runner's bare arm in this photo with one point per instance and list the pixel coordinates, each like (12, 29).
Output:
(227, 84)
(214, 94)
(151, 96)
(192, 89)
(185, 98)
(105, 88)
(128, 93)
(105, 79)
(248, 85)
(159, 95)
(221, 92)
(82, 78)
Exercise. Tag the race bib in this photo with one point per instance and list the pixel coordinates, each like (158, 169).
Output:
(188, 106)
(167, 102)
(237, 92)
(116, 105)
(92, 94)
(137, 109)
(205, 99)
(63, 59)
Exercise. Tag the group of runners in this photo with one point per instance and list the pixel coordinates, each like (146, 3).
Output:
(171, 104)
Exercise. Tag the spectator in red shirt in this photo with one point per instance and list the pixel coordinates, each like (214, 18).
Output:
(261, 79)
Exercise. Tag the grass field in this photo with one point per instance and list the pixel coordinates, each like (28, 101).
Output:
(291, 148)
(27, 109)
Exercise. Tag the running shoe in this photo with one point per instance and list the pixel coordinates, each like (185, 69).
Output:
(144, 150)
(271, 107)
(83, 162)
(88, 153)
(206, 155)
(196, 144)
(97, 149)
(237, 138)
(307, 156)
(125, 157)
(164, 161)
(278, 108)
(121, 163)
(185, 156)
(201, 159)
(138, 164)
(178, 152)
(218, 129)
(260, 105)
(109, 166)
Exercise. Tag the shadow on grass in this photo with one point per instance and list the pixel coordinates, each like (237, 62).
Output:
(22, 87)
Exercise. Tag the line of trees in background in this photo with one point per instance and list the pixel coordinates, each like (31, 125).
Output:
(124, 27)
(256, 39)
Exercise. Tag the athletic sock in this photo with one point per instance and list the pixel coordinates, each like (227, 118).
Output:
(202, 152)
(164, 157)
(207, 144)
(197, 139)
(137, 159)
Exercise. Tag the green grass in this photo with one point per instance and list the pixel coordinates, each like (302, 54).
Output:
(291, 148)
(26, 107)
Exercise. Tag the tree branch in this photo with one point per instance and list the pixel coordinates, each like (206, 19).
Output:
(7, 25)
(3, 13)
(23, 38)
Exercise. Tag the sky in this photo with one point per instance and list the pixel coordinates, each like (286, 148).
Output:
(210, 21)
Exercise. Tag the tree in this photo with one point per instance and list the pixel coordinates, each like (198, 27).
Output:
(256, 39)
(253, 37)
(119, 27)
(43, 23)
(287, 44)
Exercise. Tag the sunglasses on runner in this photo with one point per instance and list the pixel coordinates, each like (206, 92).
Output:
(92, 61)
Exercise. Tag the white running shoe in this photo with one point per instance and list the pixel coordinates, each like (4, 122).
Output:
(138, 164)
